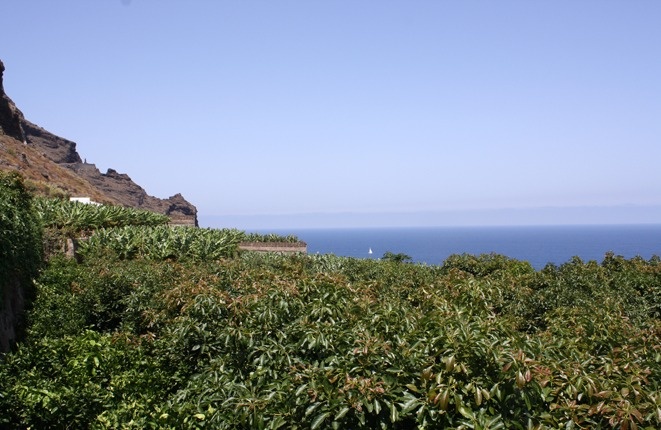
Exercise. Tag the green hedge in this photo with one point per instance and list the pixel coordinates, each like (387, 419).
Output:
(21, 256)
(21, 253)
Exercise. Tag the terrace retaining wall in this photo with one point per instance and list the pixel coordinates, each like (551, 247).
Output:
(285, 247)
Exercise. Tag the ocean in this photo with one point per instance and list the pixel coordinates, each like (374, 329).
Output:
(537, 245)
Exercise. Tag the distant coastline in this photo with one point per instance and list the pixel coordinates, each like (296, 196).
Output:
(542, 216)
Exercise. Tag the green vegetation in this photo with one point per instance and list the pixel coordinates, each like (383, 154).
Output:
(64, 220)
(20, 235)
(155, 338)
(75, 217)
(396, 258)
(163, 242)
(272, 237)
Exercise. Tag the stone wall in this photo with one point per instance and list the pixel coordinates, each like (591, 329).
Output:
(286, 247)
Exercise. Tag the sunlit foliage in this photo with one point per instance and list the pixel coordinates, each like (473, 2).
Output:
(162, 327)
(272, 341)
(76, 217)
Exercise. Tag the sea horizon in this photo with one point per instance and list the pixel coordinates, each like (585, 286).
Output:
(517, 217)
(538, 244)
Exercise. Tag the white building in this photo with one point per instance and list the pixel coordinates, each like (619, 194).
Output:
(84, 200)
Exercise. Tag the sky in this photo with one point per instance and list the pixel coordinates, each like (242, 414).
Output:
(320, 113)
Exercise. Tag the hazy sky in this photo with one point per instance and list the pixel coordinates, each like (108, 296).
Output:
(255, 109)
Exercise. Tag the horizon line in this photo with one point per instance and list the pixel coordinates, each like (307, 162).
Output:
(538, 216)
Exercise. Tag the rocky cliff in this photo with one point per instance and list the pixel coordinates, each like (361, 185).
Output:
(52, 162)
(10, 117)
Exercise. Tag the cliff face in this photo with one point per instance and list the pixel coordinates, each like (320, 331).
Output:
(40, 147)
(10, 116)
(121, 188)
(54, 147)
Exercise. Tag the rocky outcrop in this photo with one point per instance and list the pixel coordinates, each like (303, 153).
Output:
(121, 188)
(54, 147)
(14, 124)
(115, 187)
(179, 210)
(10, 117)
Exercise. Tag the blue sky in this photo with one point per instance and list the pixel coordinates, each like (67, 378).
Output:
(337, 113)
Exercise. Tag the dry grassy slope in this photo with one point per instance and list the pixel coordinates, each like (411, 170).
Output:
(42, 175)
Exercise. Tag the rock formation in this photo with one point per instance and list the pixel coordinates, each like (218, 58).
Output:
(10, 117)
(114, 187)
(54, 147)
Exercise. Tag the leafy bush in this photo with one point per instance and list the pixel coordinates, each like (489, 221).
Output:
(73, 380)
(277, 341)
(487, 264)
(20, 235)
(21, 254)
(396, 258)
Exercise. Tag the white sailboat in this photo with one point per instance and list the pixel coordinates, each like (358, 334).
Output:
(370, 251)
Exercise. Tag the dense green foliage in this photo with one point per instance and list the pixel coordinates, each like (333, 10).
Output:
(274, 341)
(398, 258)
(65, 221)
(272, 237)
(127, 233)
(75, 217)
(20, 234)
(163, 242)
(161, 327)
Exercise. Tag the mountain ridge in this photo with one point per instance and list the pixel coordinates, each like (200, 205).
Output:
(53, 166)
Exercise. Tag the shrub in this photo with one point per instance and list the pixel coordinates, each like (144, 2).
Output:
(20, 234)
(277, 341)
(21, 252)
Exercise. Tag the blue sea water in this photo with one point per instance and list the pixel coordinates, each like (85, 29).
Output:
(538, 245)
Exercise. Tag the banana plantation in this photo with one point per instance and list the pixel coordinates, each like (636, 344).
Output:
(160, 327)
(76, 217)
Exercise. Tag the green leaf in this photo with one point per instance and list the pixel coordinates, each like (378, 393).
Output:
(394, 416)
(277, 422)
(311, 408)
(300, 389)
(319, 419)
(463, 410)
(342, 413)
(409, 405)
(377, 406)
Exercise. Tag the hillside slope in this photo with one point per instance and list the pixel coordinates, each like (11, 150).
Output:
(52, 166)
